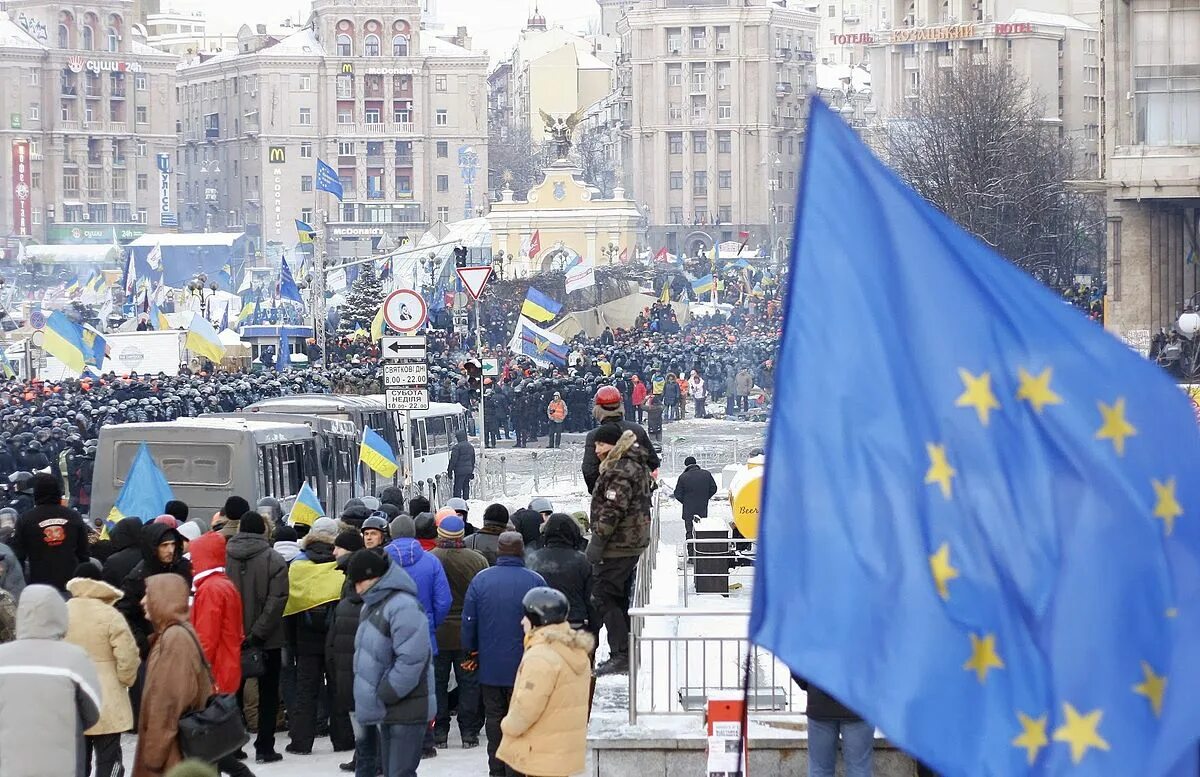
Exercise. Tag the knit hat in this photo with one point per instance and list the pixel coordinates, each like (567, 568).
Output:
(366, 565)
(88, 569)
(234, 507)
(349, 540)
(426, 529)
(451, 528)
(444, 513)
(495, 515)
(167, 519)
(324, 525)
(177, 509)
(418, 505)
(393, 496)
(608, 433)
(252, 523)
(402, 526)
(190, 530)
(47, 489)
(458, 505)
(510, 543)
(286, 533)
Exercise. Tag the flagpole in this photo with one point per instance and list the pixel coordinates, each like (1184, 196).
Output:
(482, 420)
(318, 286)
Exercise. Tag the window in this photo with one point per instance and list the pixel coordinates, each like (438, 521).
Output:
(724, 110)
(832, 11)
(306, 151)
(35, 112)
(675, 142)
(401, 113)
(443, 183)
(35, 180)
(344, 87)
(141, 216)
(89, 37)
(345, 115)
(1089, 45)
(71, 181)
(676, 215)
(400, 46)
(674, 40)
(724, 142)
(675, 112)
(143, 182)
(345, 48)
(700, 215)
(724, 179)
(443, 149)
(141, 82)
(403, 184)
(699, 183)
(306, 183)
(345, 148)
(141, 114)
(722, 38)
(439, 83)
(699, 78)
(306, 117)
(725, 214)
(791, 180)
(1091, 75)
(441, 117)
(675, 75)
(306, 215)
(305, 83)
(723, 71)
(699, 109)
(371, 45)
(443, 213)
(35, 77)
(372, 115)
(35, 216)
(699, 38)
(1091, 104)
(114, 40)
(141, 148)
(699, 143)
(676, 180)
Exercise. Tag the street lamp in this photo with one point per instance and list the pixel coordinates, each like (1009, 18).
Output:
(498, 263)
(610, 252)
(203, 296)
(430, 265)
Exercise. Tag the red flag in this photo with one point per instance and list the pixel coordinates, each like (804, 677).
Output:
(743, 236)
(624, 257)
(535, 243)
(661, 256)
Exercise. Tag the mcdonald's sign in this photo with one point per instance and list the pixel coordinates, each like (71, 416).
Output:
(276, 154)
(347, 67)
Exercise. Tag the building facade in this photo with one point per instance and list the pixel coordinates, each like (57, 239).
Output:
(184, 33)
(90, 125)
(400, 114)
(845, 27)
(713, 105)
(1151, 163)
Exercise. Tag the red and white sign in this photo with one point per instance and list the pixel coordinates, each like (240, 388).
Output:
(22, 194)
(405, 311)
(474, 279)
(78, 64)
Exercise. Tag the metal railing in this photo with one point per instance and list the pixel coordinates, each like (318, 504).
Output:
(509, 471)
(644, 573)
(710, 453)
(738, 552)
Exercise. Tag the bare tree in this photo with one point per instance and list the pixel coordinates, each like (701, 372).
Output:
(595, 159)
(976, 144)
(515, 159)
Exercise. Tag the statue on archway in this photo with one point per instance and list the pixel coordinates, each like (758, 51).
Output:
(560, 131)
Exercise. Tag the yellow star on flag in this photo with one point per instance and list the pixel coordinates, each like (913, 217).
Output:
(940, 471)
(1167, 506)
(1080, 732)
(1033, 735)
(1036, 390)
(1153, 688)
(978, 394)
(1115, 427)
(983, 656)
(943, 572)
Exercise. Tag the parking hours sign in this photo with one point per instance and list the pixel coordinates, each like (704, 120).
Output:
(400, 374)
(407, 398)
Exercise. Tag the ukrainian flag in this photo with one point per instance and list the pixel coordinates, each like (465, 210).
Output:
(307, 508)
(305, 232)
(704, 285)
(311, 584)
(377, 325)
(158, 319)
(6, 368)
(73, 288)
(666, 293)
(246, 311)
(377, 454)
(95, 347)
(202, 339)
(63, 339)
(146, 491)
(539, 307)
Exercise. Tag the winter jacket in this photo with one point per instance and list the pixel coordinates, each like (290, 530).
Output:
(217, 612)
(566, 569)
(670, 393)
(49, 692)
(821, 705)
(486, 542)
(639, 393)
(693, 489)
(492, 615)
(134, 584)
(529, 524)
(52, 540)
(545, 730)
(696, 388)
(745, 382)
(13, 579)
(288, 549)
(433, 589)
(620, 514)
(177, 681)
(461, 565)
(339, 646)
(261, 577)
(314, 587)
(591, 462)
(393, 657)
(126, 545)
(95, 625)
(462, 459)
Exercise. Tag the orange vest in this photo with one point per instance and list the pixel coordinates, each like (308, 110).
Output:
(558, 410)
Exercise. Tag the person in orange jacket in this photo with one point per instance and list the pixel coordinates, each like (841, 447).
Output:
(556, 411)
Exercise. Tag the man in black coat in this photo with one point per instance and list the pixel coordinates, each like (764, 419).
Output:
(566, 569)
(462, 466)
(51, 539)
(693, 490)
(126, 544)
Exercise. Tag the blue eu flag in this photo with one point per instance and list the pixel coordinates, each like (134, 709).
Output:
(287, 284)
(979, 524)
(328, 181)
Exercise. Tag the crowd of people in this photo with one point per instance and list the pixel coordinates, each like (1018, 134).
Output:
(348, 627)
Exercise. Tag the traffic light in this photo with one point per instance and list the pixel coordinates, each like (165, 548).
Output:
(460, 256)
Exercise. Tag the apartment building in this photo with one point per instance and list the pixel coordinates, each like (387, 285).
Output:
(399, 113)
(713, 98)
(90, 125)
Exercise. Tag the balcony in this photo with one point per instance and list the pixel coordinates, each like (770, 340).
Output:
(347, 160)
(96, 194)
(374, 195)
(783, 52)
(93, 92)
(405, 127)
(698, 87)
(851, 18)
(783, 88)
(117, 93)
(70, 90)
(374, 128)
(118, 161)
(95, 160)
(404, 160)
(374, 160)
(212, 133)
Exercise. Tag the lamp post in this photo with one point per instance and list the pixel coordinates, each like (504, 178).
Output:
(201, 294)
(430, 265)
(498, 262)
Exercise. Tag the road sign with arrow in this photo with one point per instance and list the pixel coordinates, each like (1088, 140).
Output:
(410, 347)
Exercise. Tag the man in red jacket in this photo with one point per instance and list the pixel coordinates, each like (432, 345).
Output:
(217, 618)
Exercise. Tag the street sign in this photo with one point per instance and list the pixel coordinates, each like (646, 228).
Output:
(491, 367)
(460, 321)
(474, 278)
(400, 374)
(37, 319)
(411, 398)
(410, 347)
(404, 310)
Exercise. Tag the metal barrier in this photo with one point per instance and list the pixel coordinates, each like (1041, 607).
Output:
(644, 573)
(739, 553)
(516, 471)
(710, 453)
(670, 674)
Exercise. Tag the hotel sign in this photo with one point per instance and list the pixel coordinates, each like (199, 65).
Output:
(939, 34)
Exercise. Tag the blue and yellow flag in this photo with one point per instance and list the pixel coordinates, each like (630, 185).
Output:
(378, 324)
(202, 339)
(146, 490)
(540, 344)
(377, 454)
(539, 307)
(6, 368)
(981, 529)
(304, 232)
(73, 287)
(95, 348)
(246, 312)
(307, 508)
(63, 339)
(704, 285)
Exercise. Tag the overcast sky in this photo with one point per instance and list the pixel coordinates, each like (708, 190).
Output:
(493, 24)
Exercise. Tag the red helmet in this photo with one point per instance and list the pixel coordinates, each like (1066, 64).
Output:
(608, 397)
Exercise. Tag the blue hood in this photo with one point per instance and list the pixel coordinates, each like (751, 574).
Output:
(406, 551)
(396, 579)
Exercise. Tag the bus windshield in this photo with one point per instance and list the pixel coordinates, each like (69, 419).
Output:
(183, 464)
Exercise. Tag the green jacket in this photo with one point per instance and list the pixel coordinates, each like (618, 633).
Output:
(620, 517)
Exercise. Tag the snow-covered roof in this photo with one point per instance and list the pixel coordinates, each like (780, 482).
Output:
(589, 61)
(302, 42)
(436, 47)
(1023, 16)
(13, 37)
(187, 239)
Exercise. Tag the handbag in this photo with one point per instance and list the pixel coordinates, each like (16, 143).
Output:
(215, 731)
(254, 662)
